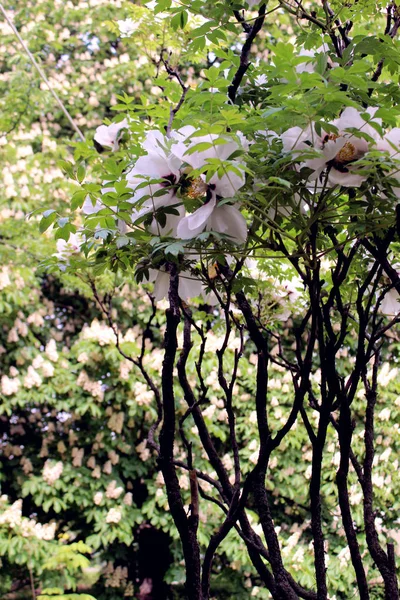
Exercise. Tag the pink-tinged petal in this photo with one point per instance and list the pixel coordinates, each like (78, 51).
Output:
(138, 214)
(154, 141)
(171, 224)
(390, 305)
(189, 286)
(332, 147)
(228, 184)
(228, 220)
(306, 66)
(155, 165)
(89, 209)
(182, 134)
(161, 286)
(209, 298)
(351, 118)
(152, 276)
(244, 142)
(153, 202)
(295, 138)
(215, 150)
(317, 165)
(392, 138)
(349, 179)
(193, 224)
(122, 226)
(108, 135)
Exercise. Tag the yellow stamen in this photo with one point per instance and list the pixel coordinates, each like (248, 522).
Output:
(347, 153)
(212, 271)
(197, 189)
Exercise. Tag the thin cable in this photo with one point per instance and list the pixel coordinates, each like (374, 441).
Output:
(42, 75)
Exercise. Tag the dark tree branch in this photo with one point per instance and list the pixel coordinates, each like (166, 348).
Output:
(392, 27)
(187, 526)
(382, 560)
(245, 54)
(173, 73)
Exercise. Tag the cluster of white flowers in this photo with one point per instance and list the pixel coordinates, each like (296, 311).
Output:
(116, 421)
(100, 332)
(5, 279)
(114, 515)
(30, 528)
(32, 378)
(9, 386)
(52, 472)
(113, 491)
(51, 350)
(77, 455)
(115, 577)
(11, 515)
(97, 498)
(95, 388)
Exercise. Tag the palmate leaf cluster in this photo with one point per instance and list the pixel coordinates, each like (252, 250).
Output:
(78, 401)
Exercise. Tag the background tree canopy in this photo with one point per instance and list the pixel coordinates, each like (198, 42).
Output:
(199, 285)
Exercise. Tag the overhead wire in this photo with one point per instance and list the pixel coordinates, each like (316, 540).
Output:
(42, 74)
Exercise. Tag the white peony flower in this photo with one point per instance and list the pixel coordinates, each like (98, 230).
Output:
(65, 249)
(337, 151)
(108, 135)
(211, 216)
(261, 79)
(127, 27)
(150, 193)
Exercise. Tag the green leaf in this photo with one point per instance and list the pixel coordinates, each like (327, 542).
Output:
(47, 221)
(81, 172)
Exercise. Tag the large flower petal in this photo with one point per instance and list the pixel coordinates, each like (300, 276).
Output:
(198, 159)
(171, 224)
(156, 165)
(89, 209)
(227, 219)
(193, 224)
(108, 135)
(161, 286)
(189, 286)
(391, 305)
(228, 184)
(349, 179)
(297, 138)
(351, 118)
